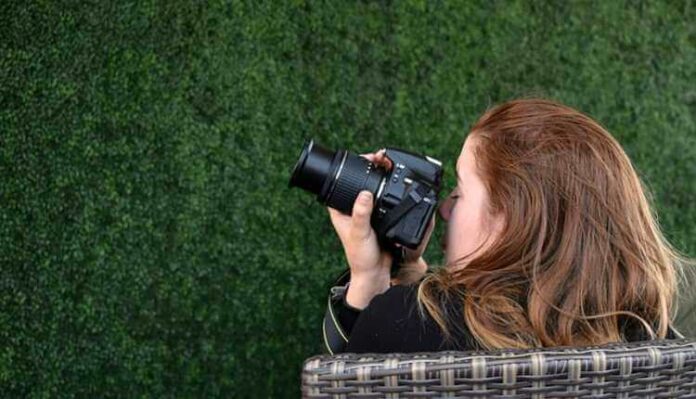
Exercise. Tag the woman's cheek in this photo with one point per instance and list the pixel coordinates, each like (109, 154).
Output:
(465, 232)
(456, 239)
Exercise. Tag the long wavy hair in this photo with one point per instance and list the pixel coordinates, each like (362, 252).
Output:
(580, 252)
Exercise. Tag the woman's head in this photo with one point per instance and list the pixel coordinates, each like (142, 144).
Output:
(552, 240)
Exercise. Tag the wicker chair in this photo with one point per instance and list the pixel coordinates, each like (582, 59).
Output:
(657, 369)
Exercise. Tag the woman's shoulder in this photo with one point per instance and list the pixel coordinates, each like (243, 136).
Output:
(392, 322)
(405, 297)
(395, 309)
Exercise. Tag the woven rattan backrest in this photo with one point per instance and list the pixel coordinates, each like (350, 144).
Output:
(659, 369)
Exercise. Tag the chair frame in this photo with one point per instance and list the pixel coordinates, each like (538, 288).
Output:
(658, 368)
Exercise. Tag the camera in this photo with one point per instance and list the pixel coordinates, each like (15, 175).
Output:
(405, 197)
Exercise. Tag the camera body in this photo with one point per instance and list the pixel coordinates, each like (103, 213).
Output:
(409, 198)
(405, 197)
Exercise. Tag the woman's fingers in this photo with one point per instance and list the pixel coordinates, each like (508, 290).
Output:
(338, 219)
(379, 158)
(360, 223)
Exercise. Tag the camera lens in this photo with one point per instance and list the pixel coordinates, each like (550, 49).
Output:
(336, 177)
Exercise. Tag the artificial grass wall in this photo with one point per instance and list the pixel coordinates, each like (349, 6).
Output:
(150, 245)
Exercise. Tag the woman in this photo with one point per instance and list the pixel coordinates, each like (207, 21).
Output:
(551, 241)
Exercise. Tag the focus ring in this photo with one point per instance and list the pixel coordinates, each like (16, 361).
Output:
(349, 184)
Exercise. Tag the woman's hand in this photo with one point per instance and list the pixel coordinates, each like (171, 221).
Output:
(369, 264)
(359, 239)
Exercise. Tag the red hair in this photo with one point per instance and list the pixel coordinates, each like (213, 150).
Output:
(580, 251)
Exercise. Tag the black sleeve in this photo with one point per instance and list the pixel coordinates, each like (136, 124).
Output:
(390, 323)
(346, 315)
(367, 337)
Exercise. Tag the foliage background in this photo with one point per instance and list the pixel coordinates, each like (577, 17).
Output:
(150, 246)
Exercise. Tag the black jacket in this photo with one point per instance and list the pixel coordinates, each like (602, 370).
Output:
(391, 323)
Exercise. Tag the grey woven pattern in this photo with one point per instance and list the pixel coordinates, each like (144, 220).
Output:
(655, 369)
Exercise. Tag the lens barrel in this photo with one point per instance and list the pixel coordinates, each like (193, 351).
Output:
(337, 177)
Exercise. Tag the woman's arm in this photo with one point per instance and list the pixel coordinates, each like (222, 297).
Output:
(364, 287)
(341, 315)
(369, 264)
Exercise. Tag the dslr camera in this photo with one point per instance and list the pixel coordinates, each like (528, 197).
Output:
(405, 197)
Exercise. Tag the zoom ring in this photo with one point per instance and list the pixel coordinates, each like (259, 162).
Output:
(349, 184)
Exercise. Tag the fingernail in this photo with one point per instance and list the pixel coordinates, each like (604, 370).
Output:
(365, 196)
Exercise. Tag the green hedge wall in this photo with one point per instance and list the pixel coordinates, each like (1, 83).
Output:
(150, 246)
